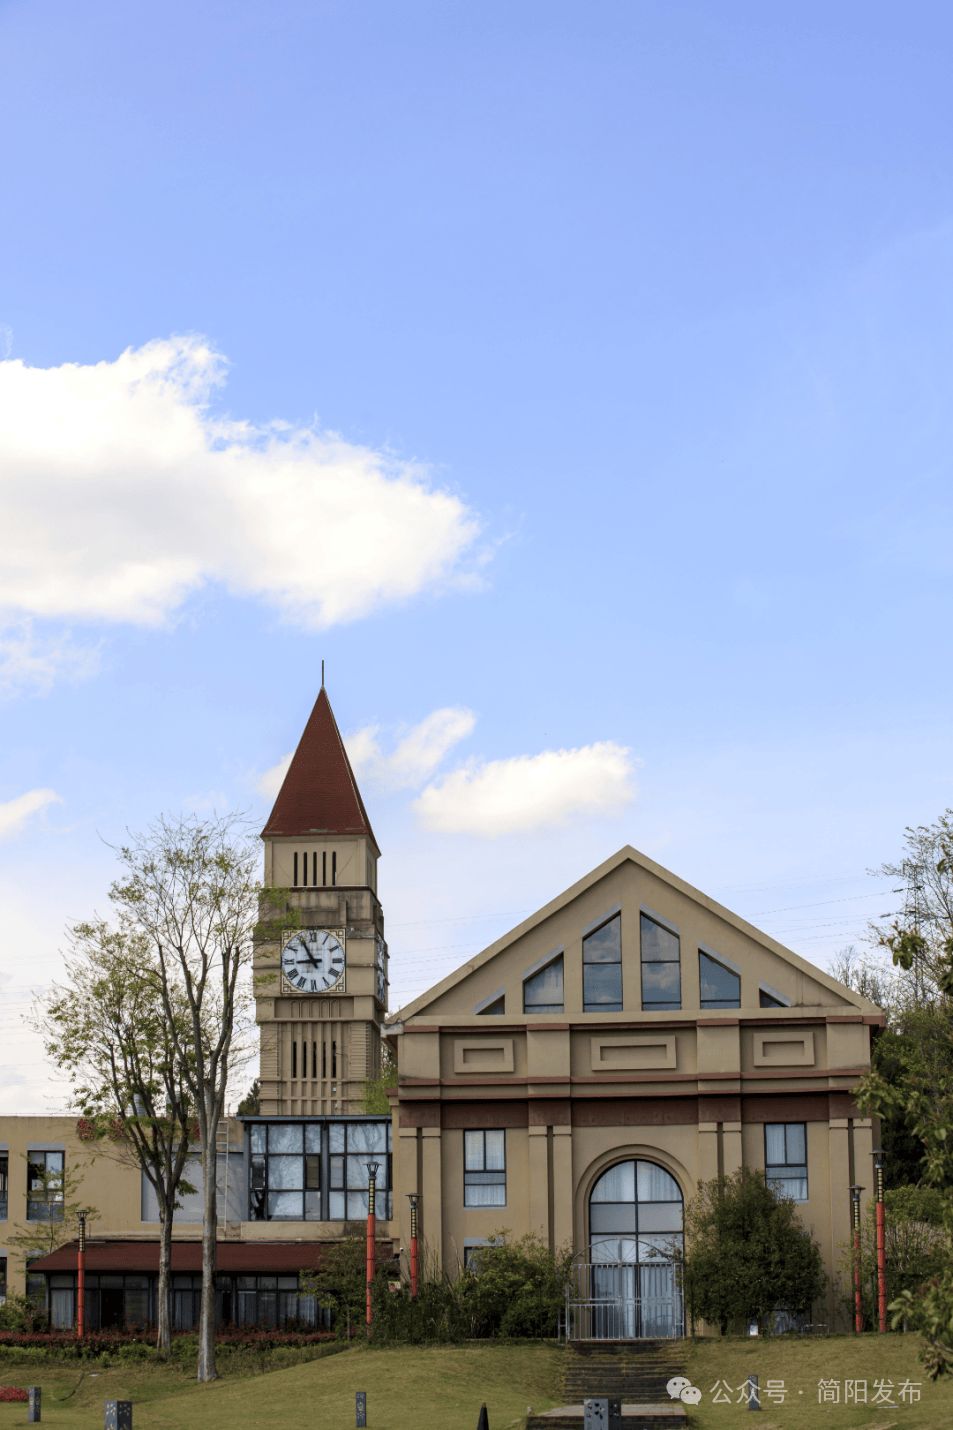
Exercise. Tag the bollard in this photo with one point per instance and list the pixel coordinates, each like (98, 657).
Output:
(33, 1414)
(602, 1414)
(483, 1423)
(361, 1408)
(754, 1399)
(118, 1415)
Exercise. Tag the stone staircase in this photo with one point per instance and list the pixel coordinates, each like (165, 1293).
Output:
(635, 1372)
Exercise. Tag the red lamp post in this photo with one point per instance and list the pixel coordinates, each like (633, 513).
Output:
(81, 1277)
(372, 1170)
(414, 1264)
(879, 1156)
(855, 1192)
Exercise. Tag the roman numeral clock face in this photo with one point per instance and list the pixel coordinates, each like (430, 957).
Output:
(313, 960)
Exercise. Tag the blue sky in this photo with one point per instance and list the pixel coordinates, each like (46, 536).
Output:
(581, 372)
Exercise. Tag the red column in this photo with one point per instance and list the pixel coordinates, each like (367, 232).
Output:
(855, 1192)
(371, 1238)
(414, 1265)
(881, 1246)
(81, 1278)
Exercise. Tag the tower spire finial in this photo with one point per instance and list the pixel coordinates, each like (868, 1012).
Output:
(322, 675)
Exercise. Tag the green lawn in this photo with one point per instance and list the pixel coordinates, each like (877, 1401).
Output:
(801, 1364)
(407, 1389)
(442, 1389)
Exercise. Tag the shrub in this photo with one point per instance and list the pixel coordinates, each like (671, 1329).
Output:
(747, 1254)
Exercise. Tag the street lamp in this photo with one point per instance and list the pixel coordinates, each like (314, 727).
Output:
(879, 1156)
(372, 1170)
(414, 1264)
(855, 1192)
(81, 1276)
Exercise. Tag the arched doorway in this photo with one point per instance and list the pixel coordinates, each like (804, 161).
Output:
(624, 1285)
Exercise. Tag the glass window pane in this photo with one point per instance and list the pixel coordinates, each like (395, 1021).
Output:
(616, 1185)
(660, 1216)
(336, 1136)
(774, 1143)
(312, 1172)
(285, 1137)
(357, 1171)
(495, 1145)
(312, 1137)
(718, 984)
(658, 945)
(601, 985)
(612, 1217)
(659, 1248)
(356, 1206)
(484, 1195)
(259, 1132)
(544, 991)
(656, 1185)
(287, 1283)
(662, 983)
(285, 1205)
(788, 1185)
(796, 1142)
(605, 945)
(495, 1008)
(336, 1206)
(473, 1151)
(286, 1173)
(367, 1137)
(768, 1002)
(480, 1179)
(337, 1172)
(312, 1206)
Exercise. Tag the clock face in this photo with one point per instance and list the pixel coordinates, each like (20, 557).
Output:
(313, 960)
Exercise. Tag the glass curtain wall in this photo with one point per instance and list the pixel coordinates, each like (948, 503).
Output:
(318, 1170)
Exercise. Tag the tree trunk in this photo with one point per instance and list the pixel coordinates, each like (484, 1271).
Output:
(206, 1366)
(164, 1341)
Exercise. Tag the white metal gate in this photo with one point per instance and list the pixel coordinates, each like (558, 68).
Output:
(622, 1301)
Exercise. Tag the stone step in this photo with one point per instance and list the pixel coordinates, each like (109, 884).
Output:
(657, 1415)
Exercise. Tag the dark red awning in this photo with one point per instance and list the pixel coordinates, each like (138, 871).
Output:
(240, 1258)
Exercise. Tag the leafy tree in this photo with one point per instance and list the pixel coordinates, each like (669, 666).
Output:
(917, 1247)
(190, 894)
(250, 1105)
(924, 932)
(922, 947)
(109, 1029)
(747, 1253)
(373, 1096)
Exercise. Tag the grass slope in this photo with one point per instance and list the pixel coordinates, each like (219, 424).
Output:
(801, 1364)
(441, 1388)
(407, 1389)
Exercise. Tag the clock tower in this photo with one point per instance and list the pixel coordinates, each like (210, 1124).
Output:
(321, 986)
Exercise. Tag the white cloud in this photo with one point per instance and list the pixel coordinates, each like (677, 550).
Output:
(15, 812)
(271, 781)
(30, 661)
(412, 760)
(121, 494)
(415, 757)
(529, 791)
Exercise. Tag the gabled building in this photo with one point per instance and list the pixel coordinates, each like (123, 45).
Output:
(580, 1077)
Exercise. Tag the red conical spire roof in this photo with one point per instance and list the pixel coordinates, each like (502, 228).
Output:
(319, 794)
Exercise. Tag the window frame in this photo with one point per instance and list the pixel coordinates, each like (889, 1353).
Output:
(38, 1204)
(709, 1003)
(499, 1174)
(615, 1006)
(768, 1166)
(327, 1165)
(657, 1005)
(543, 966)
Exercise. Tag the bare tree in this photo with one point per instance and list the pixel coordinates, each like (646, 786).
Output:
(190, 892)
(109, 1029)
(925, 879)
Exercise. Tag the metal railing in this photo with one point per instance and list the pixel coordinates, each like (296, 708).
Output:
(622, 1301)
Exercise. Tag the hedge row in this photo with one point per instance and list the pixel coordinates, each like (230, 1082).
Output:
(98, 1342)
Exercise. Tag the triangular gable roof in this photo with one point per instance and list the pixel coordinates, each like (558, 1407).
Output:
(419, 1005)
(319, 794)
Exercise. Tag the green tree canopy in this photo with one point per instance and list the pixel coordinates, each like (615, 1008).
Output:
(747, 1254)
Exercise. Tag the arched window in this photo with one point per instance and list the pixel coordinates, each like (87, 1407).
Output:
(636, 1234)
